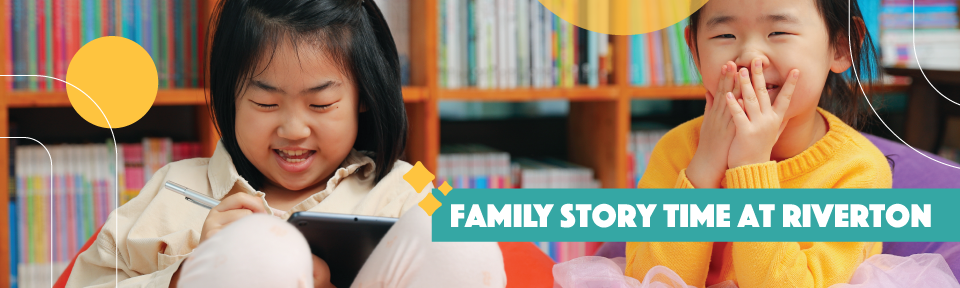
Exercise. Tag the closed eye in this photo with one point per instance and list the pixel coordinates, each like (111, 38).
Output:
(322, 107)
(779, 33)
(261, 105)
(725, 36)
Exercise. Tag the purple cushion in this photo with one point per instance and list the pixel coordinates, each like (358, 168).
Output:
(910, 170)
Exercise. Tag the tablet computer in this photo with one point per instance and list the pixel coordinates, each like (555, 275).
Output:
(344, 241)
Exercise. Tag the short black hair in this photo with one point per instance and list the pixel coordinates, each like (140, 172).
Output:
(353, 33)
(841, 94)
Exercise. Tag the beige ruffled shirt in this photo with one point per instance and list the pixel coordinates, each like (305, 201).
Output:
(144, 241)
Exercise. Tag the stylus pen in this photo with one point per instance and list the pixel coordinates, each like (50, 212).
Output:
(192, 196)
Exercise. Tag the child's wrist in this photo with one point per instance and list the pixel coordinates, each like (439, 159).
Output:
(700, 175)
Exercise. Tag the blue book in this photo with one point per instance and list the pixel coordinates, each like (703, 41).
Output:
(14, 243)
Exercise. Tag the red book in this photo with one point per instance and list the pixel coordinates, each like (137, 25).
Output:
(58, 61)
(107, 19)
(41, 45)
(73, 30)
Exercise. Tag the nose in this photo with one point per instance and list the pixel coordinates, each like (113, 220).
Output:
(293, 128)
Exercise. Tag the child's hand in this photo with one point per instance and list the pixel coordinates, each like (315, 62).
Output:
(707, 167)
(758, 123)
(231, 209)
(321, 273)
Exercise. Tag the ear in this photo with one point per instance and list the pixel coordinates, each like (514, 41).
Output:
(841, 60)
(363, 107)
(687, 36)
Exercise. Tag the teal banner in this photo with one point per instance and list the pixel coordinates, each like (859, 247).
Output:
(698, 215)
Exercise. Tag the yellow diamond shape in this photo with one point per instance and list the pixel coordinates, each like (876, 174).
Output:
(445, 188)
(430, 204)
(418, 177)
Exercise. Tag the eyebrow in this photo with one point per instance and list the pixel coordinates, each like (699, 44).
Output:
(725, 19)
(780, 18)
(318, 88)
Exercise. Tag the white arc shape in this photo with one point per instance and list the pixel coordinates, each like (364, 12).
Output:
(914, 38)
(857, 77)
(116, 160)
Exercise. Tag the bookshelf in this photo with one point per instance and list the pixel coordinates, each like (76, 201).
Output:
(598, 121)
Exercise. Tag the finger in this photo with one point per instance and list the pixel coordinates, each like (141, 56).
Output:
(728, 81)
(706, 108)
(752, 107)
(736, 85)
(760, 84)
(783, 125)
(722, 84)
(739, 117)
(241, 200)
(226, 217)
(783, 99)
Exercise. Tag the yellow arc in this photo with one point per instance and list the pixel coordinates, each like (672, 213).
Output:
(118, 75)
(623, 17)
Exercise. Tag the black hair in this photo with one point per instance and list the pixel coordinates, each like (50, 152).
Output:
(841, 94)
(353, 33)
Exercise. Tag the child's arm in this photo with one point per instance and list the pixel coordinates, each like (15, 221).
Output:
(798, 264)
(144, 241)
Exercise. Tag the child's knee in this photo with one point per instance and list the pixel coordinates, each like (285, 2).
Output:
(257, 249)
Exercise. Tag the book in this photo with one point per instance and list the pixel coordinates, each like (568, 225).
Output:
(46, 34)
(504, 44)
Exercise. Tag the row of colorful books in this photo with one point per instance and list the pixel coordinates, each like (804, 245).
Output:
(566, 251)
(640, 144)
(933, 43)
(473, 166)
(516, 43)
(935, 14)
(552, 173)
(661, 58)
(45, 34)
(57, 208)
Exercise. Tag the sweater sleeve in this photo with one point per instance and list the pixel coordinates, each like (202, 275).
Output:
(762, 175)
(690, 260)
(798, 264)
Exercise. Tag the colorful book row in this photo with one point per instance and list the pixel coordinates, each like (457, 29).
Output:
(46, 34)
(516, 43)
(56, 210)
(661, 58)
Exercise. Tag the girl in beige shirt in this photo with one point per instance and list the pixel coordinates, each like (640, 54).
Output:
(298, 88)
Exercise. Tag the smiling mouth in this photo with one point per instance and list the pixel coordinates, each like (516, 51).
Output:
(294, 156)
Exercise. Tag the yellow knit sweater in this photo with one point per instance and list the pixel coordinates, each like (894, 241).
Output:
(841, 159)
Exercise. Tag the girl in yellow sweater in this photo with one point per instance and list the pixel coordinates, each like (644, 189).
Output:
(766, 126)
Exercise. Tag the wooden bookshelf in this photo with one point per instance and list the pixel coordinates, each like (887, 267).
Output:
(165, 97)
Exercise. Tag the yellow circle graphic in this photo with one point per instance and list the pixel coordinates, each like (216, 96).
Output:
(623, 17)
(118, 75)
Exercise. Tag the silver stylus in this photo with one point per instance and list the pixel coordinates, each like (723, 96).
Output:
(192, 196)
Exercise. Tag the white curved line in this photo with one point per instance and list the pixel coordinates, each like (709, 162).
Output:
(857, 77)
(116, 163)
(51, 198)
(914, 38)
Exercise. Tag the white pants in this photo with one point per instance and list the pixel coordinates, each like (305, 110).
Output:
(264, 251)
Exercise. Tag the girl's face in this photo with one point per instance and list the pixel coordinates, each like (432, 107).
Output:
(297, 120)
(785, 34)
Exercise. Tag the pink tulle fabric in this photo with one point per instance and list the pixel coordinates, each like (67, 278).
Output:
(880, 271)
(889, 271)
